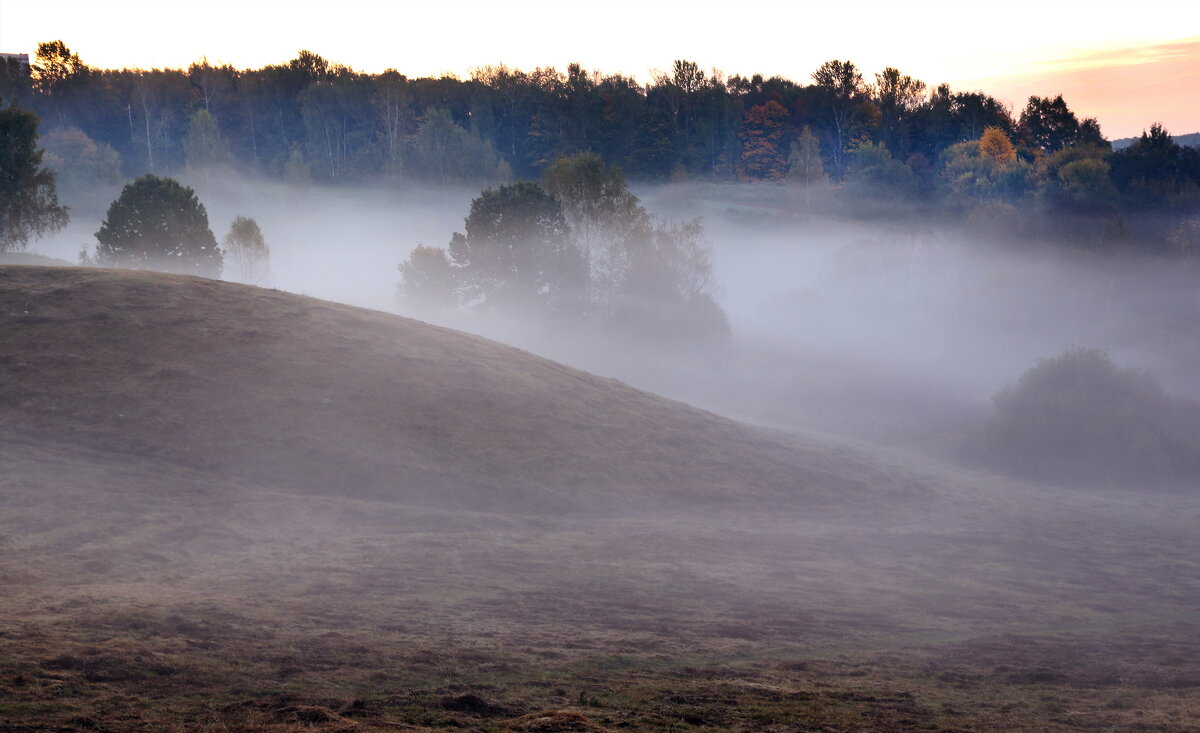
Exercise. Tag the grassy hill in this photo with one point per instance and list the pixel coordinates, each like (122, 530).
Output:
(293, 392)
(232, 509)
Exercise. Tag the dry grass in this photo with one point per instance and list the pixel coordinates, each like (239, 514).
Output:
(294, 392)
(197, 574)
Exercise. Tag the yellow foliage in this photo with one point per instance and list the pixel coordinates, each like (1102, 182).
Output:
(995, 145)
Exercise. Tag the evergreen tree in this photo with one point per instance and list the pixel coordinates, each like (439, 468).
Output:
(156, 223)
(28, 199)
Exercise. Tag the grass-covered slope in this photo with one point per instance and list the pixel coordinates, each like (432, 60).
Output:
(297, 393)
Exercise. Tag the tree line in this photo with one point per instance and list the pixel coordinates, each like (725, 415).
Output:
(311, 119)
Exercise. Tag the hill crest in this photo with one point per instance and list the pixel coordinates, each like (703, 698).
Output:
(292, 392)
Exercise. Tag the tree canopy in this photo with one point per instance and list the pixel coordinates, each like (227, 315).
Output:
(28, 198)
(157, 223)
(1080, 418)
(582, 245)
(247, 256)
(311, 120)
(516, 250)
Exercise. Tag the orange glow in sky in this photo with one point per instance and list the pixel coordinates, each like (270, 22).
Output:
(1129, 66)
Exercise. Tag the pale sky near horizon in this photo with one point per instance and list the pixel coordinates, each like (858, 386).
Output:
(1128, 65)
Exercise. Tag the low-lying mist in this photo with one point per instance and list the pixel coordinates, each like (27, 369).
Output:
(893, 329)
(327, 517)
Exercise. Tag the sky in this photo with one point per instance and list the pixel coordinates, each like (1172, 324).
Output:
(1129, 65)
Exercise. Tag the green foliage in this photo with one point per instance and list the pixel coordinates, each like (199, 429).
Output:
(310, 118)
(1078, 418)
(16, 83)
(1048, 124)
(446, 153)
(1077, 178)
(805, 167)
(247, 256)
(874, 174)
(28, 199)
(429, 281)
(1156, 172)
(970, 180)
(516, 252)
(653, 151)
(600, 210)
(79, 162)
(845, 109)
(591, 193)
(204, 147)
(296, 170)
(337, 113)
(158, 224)
(589, 251)
(898, 98)
(664, 288)
(393, 102)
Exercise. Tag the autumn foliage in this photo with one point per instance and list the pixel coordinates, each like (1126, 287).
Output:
(995, 146)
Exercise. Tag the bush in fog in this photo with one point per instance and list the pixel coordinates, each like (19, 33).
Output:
(79, 162)
(665, 288)
(247, 256)
(429, 280)
(158, 224)
(1078, 418)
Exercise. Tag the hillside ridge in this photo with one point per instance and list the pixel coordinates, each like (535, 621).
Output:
(294, 392)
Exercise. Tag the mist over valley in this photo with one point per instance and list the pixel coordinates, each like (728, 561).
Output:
(544, 401)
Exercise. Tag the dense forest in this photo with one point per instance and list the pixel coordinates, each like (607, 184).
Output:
(891, 138)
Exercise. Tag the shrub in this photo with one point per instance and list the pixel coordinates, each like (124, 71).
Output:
(1078, 418)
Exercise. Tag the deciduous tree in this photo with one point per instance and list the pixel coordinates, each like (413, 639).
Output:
(247, 256)
(516, 252)
(805, 167)
(764, 133)
(1048, 124)
(995, 146)
(79, 162)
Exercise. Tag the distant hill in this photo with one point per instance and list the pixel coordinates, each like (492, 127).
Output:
(1191, 140)
(28, 258)
(291, 392)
